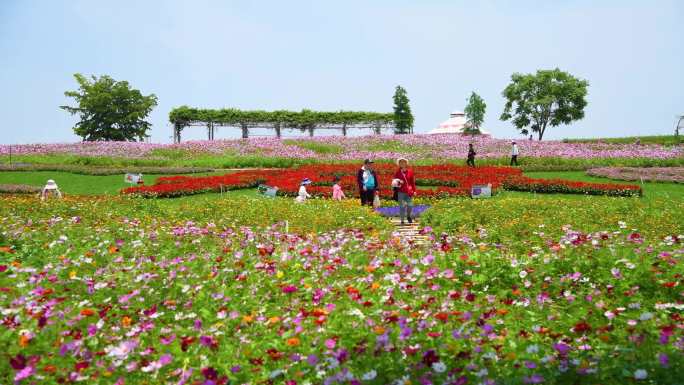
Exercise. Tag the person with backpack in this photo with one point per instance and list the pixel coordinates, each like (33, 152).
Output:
(368, 183)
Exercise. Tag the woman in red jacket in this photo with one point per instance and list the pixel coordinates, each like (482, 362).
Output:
(407, 189)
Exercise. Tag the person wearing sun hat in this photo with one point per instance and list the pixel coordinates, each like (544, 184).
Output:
(368, 183)
(407, 189)
(50, 188)
(303, 194)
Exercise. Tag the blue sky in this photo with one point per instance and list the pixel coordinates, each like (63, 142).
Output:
(331, 55)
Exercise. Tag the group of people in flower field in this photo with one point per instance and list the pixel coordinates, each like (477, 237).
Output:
(403, 184)
(403, 187)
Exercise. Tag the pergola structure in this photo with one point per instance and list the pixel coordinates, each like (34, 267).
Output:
(305, 121)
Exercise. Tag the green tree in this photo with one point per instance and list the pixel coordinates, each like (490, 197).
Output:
(549, 97)
(475, 112)
(403, 119)
(110, 110)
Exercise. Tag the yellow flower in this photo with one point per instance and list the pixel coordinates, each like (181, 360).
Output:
(279, 274)
(72, 274)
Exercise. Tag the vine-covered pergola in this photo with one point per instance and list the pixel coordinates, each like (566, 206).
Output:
(305, 120)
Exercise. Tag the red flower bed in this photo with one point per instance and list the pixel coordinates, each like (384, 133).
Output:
(560, 186)
(433, 181)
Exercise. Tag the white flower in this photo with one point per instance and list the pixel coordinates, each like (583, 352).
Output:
(640, 374)
(369, 376)
(533, 349)
(522, 274)
(439, 367)
(645, 316)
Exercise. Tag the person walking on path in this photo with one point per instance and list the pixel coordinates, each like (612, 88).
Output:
(368, 182)
(471, 155)
(407, 189)
(514, 154)
(338, 194)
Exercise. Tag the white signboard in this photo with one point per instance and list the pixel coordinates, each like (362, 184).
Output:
(481, 191)
(133, 178)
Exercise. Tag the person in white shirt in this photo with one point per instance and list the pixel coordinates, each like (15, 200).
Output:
(302, 195)
(514, 154)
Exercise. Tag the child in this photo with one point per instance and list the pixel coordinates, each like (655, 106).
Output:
(338, 194)
(301, 197)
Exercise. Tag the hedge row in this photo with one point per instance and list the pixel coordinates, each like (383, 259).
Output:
(19, 189)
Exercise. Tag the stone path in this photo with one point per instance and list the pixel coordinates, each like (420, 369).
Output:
(411, 231)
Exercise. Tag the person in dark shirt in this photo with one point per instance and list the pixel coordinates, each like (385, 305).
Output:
(471, 155)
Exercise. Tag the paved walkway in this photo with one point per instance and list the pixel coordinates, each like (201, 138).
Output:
(411, 231)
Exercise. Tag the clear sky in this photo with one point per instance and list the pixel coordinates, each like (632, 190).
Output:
(331, 55)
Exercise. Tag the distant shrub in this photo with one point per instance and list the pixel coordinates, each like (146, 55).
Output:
(19, 189)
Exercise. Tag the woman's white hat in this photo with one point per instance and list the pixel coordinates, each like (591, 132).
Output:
(51, 185)
(400, 159)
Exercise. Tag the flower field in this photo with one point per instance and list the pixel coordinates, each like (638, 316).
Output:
(121, 291)
(431, 148)
(436, 181)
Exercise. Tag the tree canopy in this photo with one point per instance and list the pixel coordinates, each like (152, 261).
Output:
(403, 119)
(475, 112)
(109, 110)
(549, 97)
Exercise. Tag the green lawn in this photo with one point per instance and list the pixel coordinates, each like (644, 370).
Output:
(76, 183)
(651, 189)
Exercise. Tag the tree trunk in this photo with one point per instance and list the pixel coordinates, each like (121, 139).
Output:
(541, 130)
(344, 129)
(277, 130)
(311, 131)
(245, 131)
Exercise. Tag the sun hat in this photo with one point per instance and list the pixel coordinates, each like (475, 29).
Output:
(400, 159)
(367, 161)
(306, 181)
(51, 185)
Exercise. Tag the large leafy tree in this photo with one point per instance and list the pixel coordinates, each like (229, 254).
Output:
(475, 112)
(403, 119)
(110, 109)
(549, 97)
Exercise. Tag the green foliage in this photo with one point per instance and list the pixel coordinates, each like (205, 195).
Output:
(110, 109)
(184, 116)
(548, 97)
(475, 112)
(317, 147)
(403, 119)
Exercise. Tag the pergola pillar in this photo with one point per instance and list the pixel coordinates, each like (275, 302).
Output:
(210, 131)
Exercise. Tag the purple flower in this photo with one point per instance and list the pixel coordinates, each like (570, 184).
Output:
(312, 359)
(562, 348)
(664, 360)
(533, 379)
